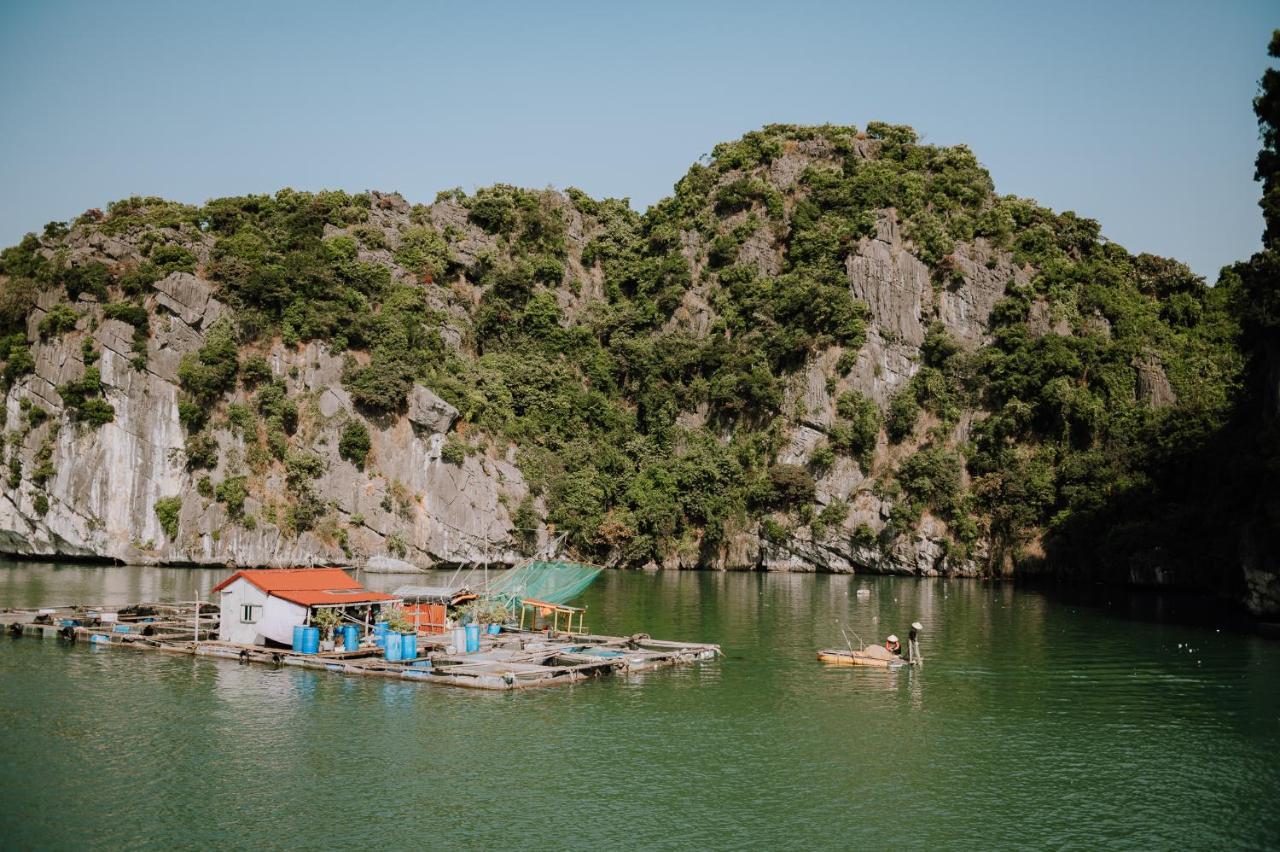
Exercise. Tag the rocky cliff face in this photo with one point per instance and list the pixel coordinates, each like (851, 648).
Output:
(106, 482)
(102, 497)
(896, 288)
(828, 351)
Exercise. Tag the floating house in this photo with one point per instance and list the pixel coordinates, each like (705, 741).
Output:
(261, 604)
(259, 610)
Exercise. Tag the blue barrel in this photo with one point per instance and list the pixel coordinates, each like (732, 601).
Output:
(311, 640)
(409, 646)
(495, 629)
(380, 633)
(473, 638)
(391, 647)
(350, 637)
(298, 633)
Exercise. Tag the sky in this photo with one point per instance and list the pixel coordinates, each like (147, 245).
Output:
(1135, 114)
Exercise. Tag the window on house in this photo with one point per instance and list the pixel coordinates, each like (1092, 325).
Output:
(250, 613)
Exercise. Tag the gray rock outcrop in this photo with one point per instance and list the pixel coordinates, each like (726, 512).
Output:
(190, 299)
(1151, 385)
(430, 411)
(104, 483)
(892, 283)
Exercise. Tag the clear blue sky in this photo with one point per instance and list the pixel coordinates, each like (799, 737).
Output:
(1135, 114)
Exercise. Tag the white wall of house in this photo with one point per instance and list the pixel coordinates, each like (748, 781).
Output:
(279, 617)
(237, 622)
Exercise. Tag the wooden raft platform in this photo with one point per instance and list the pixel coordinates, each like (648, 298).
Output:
(513, 659)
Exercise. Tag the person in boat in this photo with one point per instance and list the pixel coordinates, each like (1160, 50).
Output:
(913, 646)
(892, 645)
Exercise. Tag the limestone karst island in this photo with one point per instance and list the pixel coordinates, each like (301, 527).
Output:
(835, 496)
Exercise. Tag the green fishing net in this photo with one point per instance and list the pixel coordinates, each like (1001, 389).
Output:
(553, 582)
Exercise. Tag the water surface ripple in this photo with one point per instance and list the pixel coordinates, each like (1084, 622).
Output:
(1034, 723)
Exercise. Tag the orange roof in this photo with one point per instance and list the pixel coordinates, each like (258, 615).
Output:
(332, 597)
(307, 586)
(545, 605)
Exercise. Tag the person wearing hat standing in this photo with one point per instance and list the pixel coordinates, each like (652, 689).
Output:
(913, 646)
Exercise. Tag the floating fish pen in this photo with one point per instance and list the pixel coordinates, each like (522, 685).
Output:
(498, 657)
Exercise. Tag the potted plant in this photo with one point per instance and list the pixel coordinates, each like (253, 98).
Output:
(483, 613)
(467, 614)
(327, 620)
(495, 614)
(397, 619)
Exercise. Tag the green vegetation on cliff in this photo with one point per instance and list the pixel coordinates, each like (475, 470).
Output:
(833, 338)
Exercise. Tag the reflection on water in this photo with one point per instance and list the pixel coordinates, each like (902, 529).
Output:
(1035, 721)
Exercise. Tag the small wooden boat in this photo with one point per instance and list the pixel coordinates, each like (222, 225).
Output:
(872, 655)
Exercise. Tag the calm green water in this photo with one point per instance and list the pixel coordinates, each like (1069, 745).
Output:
(1034, 723)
